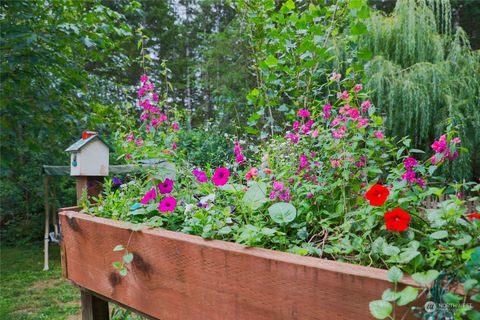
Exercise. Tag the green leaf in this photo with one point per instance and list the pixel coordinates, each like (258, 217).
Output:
(469, 285)
(256, 195)
(390, 295)
(394, 274)
(282, 212)
(407, 295)
(355, 4)
(123, 272)
(128, 257)
(289, 4)
(380, 309)
(416, 151)
(390, 250)
(119, 248)
(462, 240)
(425, 278)
(235, 187)
(358, 28)
(439, 234)
(476, 297)
(452, 298)
(407, 256)
(271, 61)
(117, 265)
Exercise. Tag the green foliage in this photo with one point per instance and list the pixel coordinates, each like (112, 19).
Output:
(294, 45)
(203, 147)
(423, 74)
(56, 61)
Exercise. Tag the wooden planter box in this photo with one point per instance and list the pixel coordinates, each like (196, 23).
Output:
(179, 276)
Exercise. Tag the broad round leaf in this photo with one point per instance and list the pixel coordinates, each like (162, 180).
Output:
(282, 212)
(380, 309)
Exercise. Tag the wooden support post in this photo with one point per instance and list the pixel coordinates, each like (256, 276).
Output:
(47, 223)
(93, 308)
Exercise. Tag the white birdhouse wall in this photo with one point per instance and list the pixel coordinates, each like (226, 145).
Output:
(91, 160)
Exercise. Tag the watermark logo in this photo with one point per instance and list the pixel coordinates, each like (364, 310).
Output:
(430, 306)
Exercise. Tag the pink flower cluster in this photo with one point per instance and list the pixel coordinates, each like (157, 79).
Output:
(442, 150)
(237, 150)
(280, 191)
(410, 175)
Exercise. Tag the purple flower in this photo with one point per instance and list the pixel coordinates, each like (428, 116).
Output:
(410, 176)
(117, 181)
(201, 176)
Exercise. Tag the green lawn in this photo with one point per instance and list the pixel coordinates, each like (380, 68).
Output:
(27, 292)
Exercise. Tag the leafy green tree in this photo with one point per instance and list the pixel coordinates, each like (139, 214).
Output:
(424, 73)
(59, 60)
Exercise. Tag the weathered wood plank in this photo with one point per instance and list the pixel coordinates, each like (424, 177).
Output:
(179, 276)
(93, 308)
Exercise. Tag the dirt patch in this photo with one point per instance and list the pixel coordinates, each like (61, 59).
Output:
(46, 284)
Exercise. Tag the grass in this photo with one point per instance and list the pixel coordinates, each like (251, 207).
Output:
(27, 292)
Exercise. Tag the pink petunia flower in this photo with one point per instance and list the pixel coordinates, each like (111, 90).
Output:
(167, 205)
(130, 137)
(201, 176)
(220, 176)
(150, 195)
(143, 78)
(166, 186)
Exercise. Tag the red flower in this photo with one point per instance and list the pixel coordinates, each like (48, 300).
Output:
(377, 195)
(396, 220)
(473, 216)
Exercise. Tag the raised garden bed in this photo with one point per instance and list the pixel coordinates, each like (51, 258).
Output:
(180, 276)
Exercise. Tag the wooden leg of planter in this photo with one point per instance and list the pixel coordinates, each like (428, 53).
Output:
(93, 308)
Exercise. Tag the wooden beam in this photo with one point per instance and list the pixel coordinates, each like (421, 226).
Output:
(93, 308)
(47, 222)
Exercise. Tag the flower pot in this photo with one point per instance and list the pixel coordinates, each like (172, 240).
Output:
(179, 276)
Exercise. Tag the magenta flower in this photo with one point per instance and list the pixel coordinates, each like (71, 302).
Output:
(362, 122)
(141, 92)
(296, 126)
(343, 95)
(292, 137)
(309, 195)
(130, 137)
(166, 186)
(155, 97)
(175, 126)
(277, 185)
(353, 113)
(139, 142)
(285, 196)
(201, 176)
(240, 158)
(410, 176)
(440, 145)
(326, 111)
(150, 195)
(128, 156)
(304, 113)
(143, 78)
(220, 176)
(163, 118)
(379, 135)
(174, 146)
(144, 116)
(366, 105)
(410, 162)
(315, 133)
(167, 205)
(273, 195)
(155, 110)
(421, 182)
(357, 88)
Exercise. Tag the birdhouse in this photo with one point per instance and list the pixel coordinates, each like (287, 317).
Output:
(89, 156)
